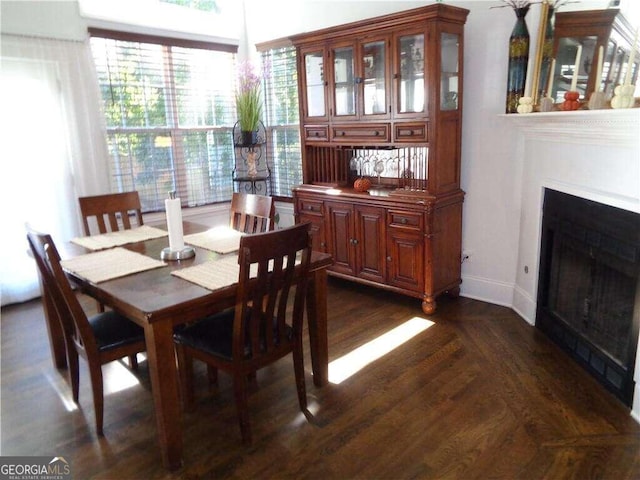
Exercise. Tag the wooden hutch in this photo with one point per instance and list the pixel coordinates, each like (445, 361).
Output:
(381, 99)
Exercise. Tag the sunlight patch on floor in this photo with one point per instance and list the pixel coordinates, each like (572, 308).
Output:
(66, 396)
(118, 377)
(346, 366)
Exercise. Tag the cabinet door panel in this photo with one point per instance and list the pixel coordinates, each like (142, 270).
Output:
(340, 236)
(406, 260)
(409, 73)
(316, 230)
(314, 93)
(370, 243)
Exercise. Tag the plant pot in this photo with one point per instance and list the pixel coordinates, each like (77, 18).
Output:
(248, 137)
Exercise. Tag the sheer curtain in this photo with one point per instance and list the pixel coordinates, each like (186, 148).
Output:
(52, 149)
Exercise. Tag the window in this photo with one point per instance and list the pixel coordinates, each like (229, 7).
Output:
(281, 119)
(169, 112)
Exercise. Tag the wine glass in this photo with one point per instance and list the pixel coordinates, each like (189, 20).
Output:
(379, 168)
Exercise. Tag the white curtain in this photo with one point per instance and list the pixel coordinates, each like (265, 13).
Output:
(52, 149)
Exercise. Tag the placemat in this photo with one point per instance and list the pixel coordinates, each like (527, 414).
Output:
(119, 238)
(212, 275)
(222, 239)
(217, 273)
(109, 264)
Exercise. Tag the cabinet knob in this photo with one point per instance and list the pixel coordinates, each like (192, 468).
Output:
(322, 244)
(310, 207)
(342, 133)
(316, 133)
(376, 133)
(403, 221)
(389, 258)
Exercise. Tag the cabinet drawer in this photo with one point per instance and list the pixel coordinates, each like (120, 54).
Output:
(310, 207)
(406, 220)
(316, 134)
(361, 133)
(411, 132)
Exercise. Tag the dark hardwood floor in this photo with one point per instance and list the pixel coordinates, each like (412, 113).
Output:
(479, 394)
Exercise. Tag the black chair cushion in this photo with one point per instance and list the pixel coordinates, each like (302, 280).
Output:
(113, 330)
(214, 335)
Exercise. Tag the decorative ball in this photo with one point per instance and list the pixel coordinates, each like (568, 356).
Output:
(362, 184)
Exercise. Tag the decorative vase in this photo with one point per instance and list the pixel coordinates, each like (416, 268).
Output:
(362, 184)
(248, 137)
(518, 60)
(547, 56)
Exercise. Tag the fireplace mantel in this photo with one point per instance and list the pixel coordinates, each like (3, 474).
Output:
(594, 127)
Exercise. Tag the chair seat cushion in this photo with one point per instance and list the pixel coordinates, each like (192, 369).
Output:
(113, 330)
(214, 335)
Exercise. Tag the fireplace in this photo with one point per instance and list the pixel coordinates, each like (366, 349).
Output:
(589, 286)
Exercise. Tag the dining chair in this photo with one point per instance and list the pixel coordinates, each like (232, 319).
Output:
(261, 328)
(251, 213)
(117, 207)
(98, 339)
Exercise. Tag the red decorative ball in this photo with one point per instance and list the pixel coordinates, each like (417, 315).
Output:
(362, 184)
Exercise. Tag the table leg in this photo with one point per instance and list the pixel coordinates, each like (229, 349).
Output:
(164, 384)
(317, 319)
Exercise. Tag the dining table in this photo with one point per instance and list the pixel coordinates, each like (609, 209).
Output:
(158, 300)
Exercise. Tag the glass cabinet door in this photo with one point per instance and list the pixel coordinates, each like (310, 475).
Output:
(450, 67)
(410, 56)
(344, 91)
(374, 78)
(316, 104)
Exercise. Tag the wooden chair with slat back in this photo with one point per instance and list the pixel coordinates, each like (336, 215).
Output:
(99, 339)
(262, 327)
(251, 213)
(117, 208)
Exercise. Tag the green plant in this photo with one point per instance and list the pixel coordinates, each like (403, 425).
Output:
(248, 97)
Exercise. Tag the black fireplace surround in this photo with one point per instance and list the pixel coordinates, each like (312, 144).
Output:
(589, 286)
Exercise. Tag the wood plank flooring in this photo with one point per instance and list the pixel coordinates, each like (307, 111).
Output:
(479, 394)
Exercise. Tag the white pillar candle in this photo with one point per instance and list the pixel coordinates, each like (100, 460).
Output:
(576, 67)
(552, 71)
(174, 223)
(599, 69)
(632, 56)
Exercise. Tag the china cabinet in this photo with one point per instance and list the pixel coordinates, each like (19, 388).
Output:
(592, 29)
(381, 99)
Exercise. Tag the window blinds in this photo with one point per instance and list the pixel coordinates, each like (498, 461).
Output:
(169, 113)
(282, 119)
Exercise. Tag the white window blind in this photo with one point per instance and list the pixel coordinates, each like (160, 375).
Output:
(169, 112)
(282, 119)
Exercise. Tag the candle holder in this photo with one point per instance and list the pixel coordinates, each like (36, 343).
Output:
(623, 96)
(597, 101)
(546, 104)
(525, 105)
(571, 101)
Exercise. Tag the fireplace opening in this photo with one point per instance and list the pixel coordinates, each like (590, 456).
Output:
(589, 286)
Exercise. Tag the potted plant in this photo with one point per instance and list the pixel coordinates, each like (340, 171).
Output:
(248, 102)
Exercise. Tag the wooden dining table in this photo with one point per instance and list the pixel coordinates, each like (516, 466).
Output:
(158, 301)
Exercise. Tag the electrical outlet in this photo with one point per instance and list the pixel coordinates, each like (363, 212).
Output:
(467, 256)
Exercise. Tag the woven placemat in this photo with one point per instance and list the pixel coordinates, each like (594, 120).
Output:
(220, 239)
(119, 238)
(217, 273)
(212, 275)
(109, 264)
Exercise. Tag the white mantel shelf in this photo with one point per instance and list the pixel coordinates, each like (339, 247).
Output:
(596, 127)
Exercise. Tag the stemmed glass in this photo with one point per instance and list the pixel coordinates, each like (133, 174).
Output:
(379, 168)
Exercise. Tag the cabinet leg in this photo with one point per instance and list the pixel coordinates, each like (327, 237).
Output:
(429, 305)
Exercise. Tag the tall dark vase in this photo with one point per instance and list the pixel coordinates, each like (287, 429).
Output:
(547, 56)
(518, 60)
